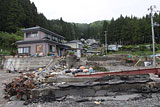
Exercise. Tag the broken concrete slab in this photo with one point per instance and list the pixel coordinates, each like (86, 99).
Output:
(87, 90)
(94, 86)
(69, 79)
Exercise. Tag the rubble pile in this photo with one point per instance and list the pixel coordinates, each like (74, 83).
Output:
(20, 87)
(81, 69)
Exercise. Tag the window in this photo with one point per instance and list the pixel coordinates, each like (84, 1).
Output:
(56, 39)
(79, 46)
(20, 50)
(28, 35)
(34, 34)
(59, 39)
(53, 38)
(23, 50)
(52, 48)
(26, 50)
(48, 36)
(31, 35)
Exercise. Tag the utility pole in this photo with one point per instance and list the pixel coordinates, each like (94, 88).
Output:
(105, 34)
(153, 36)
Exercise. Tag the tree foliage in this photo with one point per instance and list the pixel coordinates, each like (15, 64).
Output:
(16, 14)
(8, 40)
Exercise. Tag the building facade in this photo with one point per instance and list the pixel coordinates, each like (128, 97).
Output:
(76, 46)
(42, 42)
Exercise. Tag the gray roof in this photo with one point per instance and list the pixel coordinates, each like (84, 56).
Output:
(74, 41)
(38, 28)
(93, 51)
(37, 41)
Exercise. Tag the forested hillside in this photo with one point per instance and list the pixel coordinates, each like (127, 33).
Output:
(18, 14)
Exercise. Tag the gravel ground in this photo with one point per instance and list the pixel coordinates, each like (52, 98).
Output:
(153, 101)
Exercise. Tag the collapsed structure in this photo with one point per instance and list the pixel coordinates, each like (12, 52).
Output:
(56, 82)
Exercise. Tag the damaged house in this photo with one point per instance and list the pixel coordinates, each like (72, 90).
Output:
(40, 41)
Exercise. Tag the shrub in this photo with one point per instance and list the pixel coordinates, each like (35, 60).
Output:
(127, 48)
(143, 48)
(99, 68)
(71, 53)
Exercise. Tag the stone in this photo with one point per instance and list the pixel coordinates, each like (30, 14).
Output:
(14, 98)
(24, 97)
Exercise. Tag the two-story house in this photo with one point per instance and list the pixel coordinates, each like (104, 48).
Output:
(40, 41)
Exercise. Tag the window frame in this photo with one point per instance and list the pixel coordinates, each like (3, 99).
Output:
(23, 50)
(52, 48)
(32, 34)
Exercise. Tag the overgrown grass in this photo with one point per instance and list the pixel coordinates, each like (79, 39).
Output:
(100, 69)
(139, 50)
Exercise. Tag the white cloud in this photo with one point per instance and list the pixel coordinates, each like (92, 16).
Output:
(86, 11)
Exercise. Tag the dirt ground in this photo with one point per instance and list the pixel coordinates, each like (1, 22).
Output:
(5, 78)
(152, 100)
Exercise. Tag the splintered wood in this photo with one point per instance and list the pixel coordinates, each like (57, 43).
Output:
(20, 86)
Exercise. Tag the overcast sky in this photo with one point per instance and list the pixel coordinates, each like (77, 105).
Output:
(86, 11)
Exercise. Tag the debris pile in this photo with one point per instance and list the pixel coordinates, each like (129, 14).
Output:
(20, 87)
(81, 69)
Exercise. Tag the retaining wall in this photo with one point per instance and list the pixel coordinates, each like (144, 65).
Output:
(26, 63)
